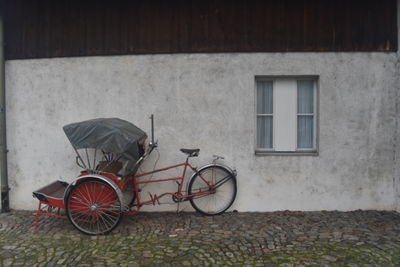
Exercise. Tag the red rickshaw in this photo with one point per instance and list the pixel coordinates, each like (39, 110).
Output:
(110, 151)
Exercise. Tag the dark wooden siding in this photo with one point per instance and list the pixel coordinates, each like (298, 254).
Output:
(61, 28)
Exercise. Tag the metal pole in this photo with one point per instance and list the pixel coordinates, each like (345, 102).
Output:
(152, 129)
(5, 204)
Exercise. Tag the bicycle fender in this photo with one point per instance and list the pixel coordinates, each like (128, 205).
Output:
(99, 177)
(228, 169)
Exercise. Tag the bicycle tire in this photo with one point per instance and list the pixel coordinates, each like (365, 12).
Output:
(218, 174)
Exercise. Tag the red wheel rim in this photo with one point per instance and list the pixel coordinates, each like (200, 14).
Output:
(94, 207)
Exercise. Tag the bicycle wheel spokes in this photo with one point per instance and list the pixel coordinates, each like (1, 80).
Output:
(214, 190)
(93, 207)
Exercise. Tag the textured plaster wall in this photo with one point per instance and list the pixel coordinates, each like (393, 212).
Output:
(208, 101)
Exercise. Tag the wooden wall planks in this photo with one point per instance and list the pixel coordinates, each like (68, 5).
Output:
(64, 28)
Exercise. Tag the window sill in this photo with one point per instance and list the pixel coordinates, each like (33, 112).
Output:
(286, 153)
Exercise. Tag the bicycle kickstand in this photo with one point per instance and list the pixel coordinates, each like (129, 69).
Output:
(177, 208)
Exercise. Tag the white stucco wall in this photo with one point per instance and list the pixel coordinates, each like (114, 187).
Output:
(207, 101)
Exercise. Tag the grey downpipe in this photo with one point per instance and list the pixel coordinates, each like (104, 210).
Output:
(5, 204)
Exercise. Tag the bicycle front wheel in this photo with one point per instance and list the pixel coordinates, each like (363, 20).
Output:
(214, 189)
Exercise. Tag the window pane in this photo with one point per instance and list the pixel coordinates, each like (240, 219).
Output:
(305, 131)
(264, 132)
(305, 96)
(264, 97)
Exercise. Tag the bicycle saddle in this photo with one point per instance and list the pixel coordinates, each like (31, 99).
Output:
(191, 152)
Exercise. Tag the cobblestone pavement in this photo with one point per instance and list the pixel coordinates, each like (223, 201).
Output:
(359, 238)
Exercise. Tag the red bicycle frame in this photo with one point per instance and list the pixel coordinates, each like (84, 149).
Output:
(180, 179)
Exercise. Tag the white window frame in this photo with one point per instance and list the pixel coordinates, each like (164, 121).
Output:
(298, 151)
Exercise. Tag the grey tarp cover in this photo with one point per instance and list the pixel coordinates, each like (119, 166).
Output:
(109, 134)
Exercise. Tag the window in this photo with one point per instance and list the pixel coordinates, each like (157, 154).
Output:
(286, 115)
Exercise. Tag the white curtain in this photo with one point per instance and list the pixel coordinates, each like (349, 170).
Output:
(264, 114)
(305, 111)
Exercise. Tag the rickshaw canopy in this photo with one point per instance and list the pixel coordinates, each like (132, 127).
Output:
(108, 134)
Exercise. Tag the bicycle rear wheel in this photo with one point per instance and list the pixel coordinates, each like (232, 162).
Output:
(216, 189)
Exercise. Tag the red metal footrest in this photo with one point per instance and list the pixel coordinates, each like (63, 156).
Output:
(51, 201)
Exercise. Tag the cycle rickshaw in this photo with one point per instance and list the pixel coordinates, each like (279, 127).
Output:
(110, 151)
